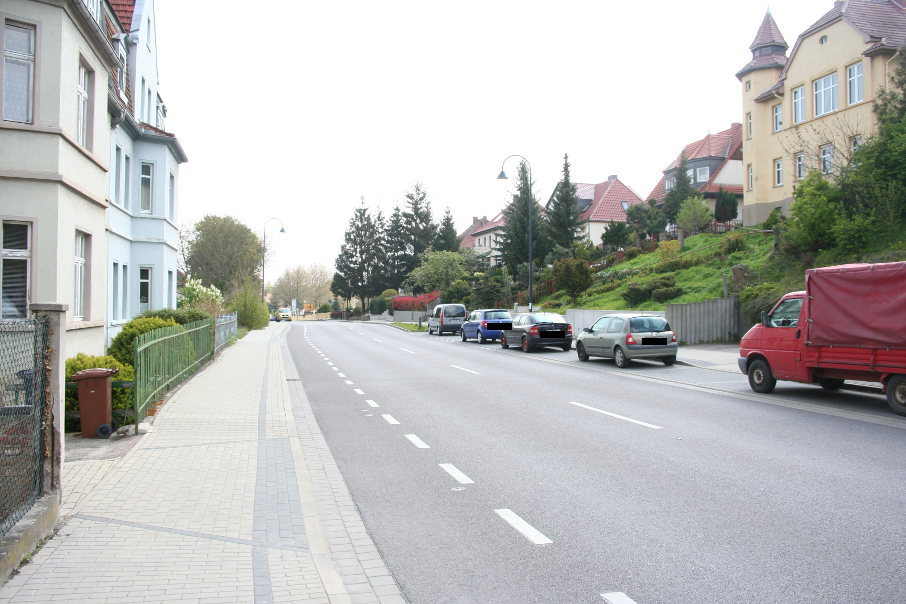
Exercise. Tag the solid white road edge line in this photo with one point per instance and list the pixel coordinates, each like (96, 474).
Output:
(464, 369)
(390, 419)
(456, 474)
(527, 530)
(372, 403)
(617, 597)
(622, 417)
(417, 441)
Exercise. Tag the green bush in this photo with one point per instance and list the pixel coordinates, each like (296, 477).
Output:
(181, 315)
(251, 311)
(636, 292)
(123, 398)
(631, 252)
(379, 305)
(325, 308)
(121, 347)
(733, 243)
(662, 294)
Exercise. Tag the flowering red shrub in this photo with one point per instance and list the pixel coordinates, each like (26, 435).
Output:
(419, 302)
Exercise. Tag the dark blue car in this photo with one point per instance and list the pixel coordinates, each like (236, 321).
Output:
(486, 324)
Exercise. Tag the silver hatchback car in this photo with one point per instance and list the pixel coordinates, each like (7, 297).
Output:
(627, 337)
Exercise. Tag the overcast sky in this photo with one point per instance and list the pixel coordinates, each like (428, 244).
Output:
(299, 109)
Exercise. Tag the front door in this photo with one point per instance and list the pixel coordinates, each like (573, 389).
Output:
(782, 340)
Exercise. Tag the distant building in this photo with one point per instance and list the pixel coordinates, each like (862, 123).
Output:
(481, 238)
(602, 204)
(810, 110)
(712, 163)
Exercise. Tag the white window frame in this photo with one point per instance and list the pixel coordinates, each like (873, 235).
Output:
(94, 9)
(826, 158)
(143, 306)
(825, 94)
(16, 255)
(690, 174)
(750, 177)
(146, 184)
(854, 83)
(670, 184)
(777, 113)
(122, 79)
(127, 180)
(118, 174)
(22, 59)
(749, 124)
(799, 163)
(702, 174)
(778, 172)
(171, 197)
(124, 284)
(83, 114)
(80, 276)
(799, 104)
(170, 289)
(115, 291)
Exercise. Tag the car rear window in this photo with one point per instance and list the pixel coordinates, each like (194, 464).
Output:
(454, 311)
(637, 324)
(548, 317)
(497, 314)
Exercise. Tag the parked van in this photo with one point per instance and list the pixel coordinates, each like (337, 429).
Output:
(446, 317)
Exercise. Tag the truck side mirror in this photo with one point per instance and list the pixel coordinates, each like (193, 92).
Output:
(764, 319)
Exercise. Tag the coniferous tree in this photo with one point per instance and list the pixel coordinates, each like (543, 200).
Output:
(513, 240)
(725, 206)
(419, 226)
(359, 267)
(447, 240)
(563, 215)
(396, 249)
(681, 191)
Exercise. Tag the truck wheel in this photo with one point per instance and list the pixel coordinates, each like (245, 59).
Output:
(760, 378)
(830, 383)
(896, 394)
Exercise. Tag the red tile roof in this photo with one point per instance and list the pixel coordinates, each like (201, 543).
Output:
(724, 145)
(607, 200)
(768, 34)
(124, 10)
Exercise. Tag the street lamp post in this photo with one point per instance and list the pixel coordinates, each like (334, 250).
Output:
(264, 249)
(531, 273)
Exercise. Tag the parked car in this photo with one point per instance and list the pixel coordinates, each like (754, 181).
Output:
(446, 317)
(537, 329)
(284, 314)
(628, 337)
(486, 324)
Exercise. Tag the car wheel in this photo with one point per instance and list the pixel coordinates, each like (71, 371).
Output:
(481, 338)
(668, 360)
(760, 378)
(580, 350)
(830, 383)
(462, 333)
(896, 394)
(619, 357)
(503, 342)
(526, 347)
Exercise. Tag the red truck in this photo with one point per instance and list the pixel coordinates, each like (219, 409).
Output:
(848, 324)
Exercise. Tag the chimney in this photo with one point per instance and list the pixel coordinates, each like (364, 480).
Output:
(611, 177)
(474, 219)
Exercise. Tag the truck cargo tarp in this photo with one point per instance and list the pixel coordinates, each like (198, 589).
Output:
(857, 305)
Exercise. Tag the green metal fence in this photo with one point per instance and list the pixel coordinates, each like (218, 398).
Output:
(165, 357)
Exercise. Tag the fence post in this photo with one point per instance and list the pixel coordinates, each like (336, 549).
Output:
(55, 314)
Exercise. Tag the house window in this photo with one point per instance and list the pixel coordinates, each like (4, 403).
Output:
(670, 184)
(778, 172)
(144, 289)
(749, 125)
(124, 295)
(854, 83)
(690, 174)
(149, 107)
(825, 95)
(702, 174)
(750, 177)
(142, 94)
(748, 85)
(146, 187)
(855, 142)
(127, 181)
(799, 161)
(799, 104)
(14, 267)
(80, 283)
(18, 72)
(94, 9)
(122, 76)
(118, 175)
(778, 117)
(171, 197)
(83, 127)
(170, 290)
(826, 158)
(115, 290)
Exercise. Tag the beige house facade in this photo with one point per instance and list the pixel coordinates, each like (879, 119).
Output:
(54, 156)
(811, 110)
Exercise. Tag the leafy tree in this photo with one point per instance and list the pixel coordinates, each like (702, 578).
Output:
(308, 285)
(447, 239)
(223, 252)
(814, 214)
(573, 276)
(438, 270)
(419, 226)
(726, 206)
(493, 289)
(617, 235)
(563, 215)
(681, 191)
(359, 267)
(458, 291)
(513, 240)
(694, 215)
(246, 302)
(196, 295)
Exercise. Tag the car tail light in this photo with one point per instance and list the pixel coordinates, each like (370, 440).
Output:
(629, 339)
(534, 331)
(673, 339)
(484, 324)
(569, 330)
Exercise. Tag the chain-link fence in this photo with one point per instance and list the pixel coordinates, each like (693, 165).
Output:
(24, 413)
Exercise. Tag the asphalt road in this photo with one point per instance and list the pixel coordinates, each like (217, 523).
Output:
(490, 475)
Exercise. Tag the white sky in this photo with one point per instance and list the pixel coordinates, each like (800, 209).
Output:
(297, 109)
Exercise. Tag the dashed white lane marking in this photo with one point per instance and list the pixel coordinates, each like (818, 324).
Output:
(464, 369)
(361, 334)
(390, 419)
(409, 351)
(622, 417)
(335, 368)
(372, 403)
(358, 391)
(331, 364)
(456, 473)
(417, 441)
(341, 374)
(617, 597)
(527, 530)
(349, 382)
(378, 341)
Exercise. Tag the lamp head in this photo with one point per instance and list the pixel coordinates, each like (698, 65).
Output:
(502, 175)
(282, 230)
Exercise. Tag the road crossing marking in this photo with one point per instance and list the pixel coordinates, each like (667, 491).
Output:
(456, 473)
(417, 441)
(358, 391)
(622, 417)
(617, 597)
(464, 369)
(527, 530)
(372, 403)
(349, 382)
(390, 419)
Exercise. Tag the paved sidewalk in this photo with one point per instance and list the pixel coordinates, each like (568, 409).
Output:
(721, 357)
(233, 496)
